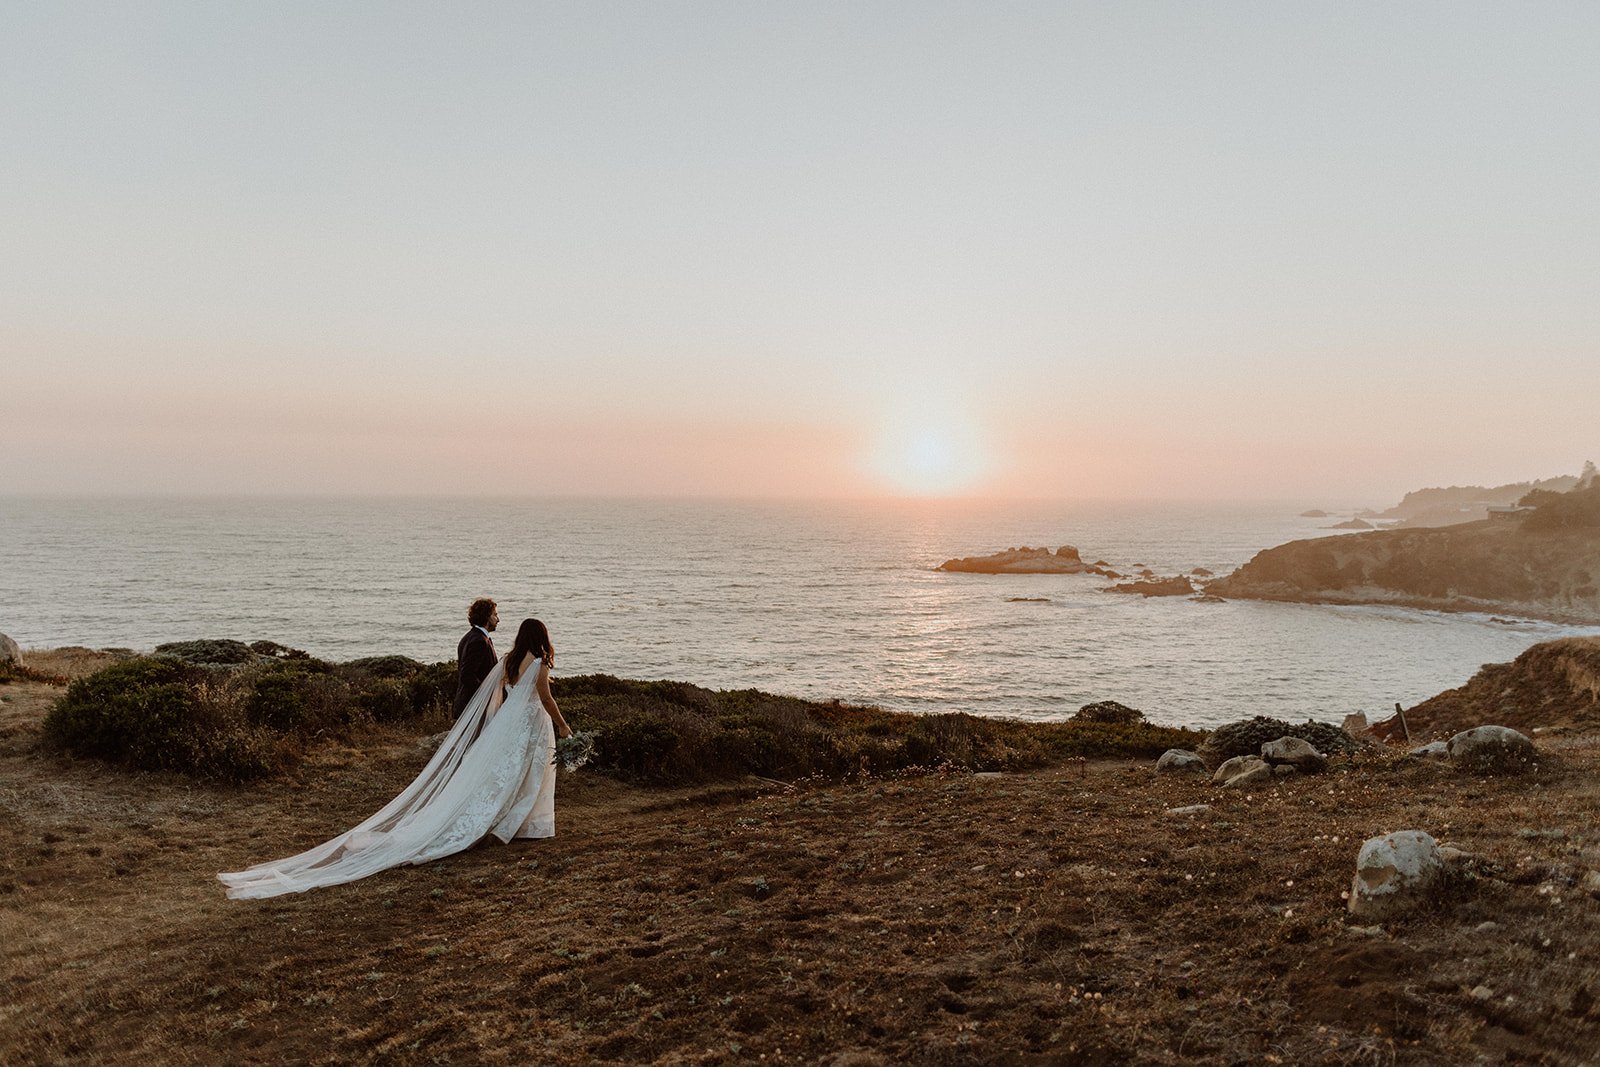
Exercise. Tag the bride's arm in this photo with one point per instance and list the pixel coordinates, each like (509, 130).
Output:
(542, 684)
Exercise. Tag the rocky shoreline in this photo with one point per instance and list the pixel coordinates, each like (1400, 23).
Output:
(1494, 566)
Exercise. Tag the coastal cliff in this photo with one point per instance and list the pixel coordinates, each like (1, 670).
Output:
(1500, 565)
(1553, 684)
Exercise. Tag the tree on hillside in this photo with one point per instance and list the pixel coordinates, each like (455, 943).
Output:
(1579, 508)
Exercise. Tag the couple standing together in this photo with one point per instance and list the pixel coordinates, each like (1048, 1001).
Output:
(494, 773)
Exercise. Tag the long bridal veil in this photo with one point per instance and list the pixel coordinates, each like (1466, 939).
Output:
(412, 828)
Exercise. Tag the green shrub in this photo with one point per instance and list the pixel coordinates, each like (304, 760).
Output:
(385, 666)
(153, 713)
(208, 651)
(1108, 711)
(386, 699)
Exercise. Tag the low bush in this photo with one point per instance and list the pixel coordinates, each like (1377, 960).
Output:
(1245, 738)
(242, 721)
(675, 733)
(153, 713)
(198, 714)
(1108, 711)
(209, 651)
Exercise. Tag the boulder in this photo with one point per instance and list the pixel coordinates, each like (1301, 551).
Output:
(1176, 760)
(1069, 553)
(1294, 752)
(1355, 723)
(1243, 772)
(1202, 572)
(1232, 767)
(1436, 750)
(1492, 750)
(9, 652)
(1394, 874)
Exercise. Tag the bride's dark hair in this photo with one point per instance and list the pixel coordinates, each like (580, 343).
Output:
(531, 637)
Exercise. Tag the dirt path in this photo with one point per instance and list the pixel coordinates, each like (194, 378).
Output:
(1056, 916)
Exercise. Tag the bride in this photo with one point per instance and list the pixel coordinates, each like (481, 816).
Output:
(494, 773)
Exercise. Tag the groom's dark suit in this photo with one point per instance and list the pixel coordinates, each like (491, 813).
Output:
(475, 655)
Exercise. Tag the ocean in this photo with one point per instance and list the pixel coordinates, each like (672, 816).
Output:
(819, 600)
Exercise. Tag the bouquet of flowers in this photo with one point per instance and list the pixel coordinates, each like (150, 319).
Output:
(573, 752)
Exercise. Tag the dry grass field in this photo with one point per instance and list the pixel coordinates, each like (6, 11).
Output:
(1049, 916)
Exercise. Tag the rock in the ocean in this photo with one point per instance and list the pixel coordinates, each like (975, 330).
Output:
(1207, 598)
(1179, 586)
(1432, 750)
(1022, 560)
(1394, 874)
(1492, 750)
(1202, 572)
(1296, 753)
(9, 652)
(1174, 760)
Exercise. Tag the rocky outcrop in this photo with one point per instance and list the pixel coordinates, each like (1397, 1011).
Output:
(1505, 566)
(1352, 524)
(1554, 683)
(9, 652)
(1024, 560)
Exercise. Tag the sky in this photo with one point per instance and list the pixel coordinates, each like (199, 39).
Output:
(1309, 251)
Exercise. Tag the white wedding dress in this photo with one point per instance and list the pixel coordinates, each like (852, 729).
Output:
(494, 773)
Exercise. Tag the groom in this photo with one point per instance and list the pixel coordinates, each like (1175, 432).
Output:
(475, 653)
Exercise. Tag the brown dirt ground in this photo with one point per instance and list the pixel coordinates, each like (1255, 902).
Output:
(1056, 916)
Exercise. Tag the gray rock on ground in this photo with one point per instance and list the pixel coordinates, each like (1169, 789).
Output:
(1189, 810)
(1435, 750)
(1252, 771)
(9, 652)
(1493, 750)
(1234, 766)
(1176, 760)
(1394, 874)
(1294, 752)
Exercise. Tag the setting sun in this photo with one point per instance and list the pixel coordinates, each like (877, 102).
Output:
(930, 452)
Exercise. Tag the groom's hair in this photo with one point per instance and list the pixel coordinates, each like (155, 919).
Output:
(478, 614)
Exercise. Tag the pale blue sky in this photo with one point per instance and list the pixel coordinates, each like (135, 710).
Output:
(1122, 249)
